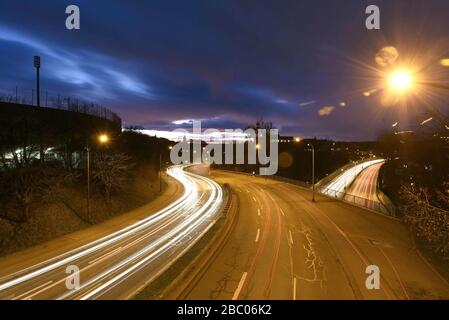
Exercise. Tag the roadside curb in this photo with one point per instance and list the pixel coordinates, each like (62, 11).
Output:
(181, 286)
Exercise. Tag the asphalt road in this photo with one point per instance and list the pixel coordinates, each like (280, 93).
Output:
(286, 247)
(338, 187)
(363, 191)
(115, 265)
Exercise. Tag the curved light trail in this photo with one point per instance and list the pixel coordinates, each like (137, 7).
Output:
(337, 187)
(116, 265)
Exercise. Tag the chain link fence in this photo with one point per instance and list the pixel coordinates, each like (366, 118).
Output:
(58, 101)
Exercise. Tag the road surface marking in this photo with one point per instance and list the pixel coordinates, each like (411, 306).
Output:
(282, 211)
(294, 288)
(101, 258)
(254, 199)
(33, 291)
(395, 272)
(257, 235)
(240, 286)
(86, 292)
(258, 212)
(290, 237)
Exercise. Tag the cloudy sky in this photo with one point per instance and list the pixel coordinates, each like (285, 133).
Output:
(227, 62)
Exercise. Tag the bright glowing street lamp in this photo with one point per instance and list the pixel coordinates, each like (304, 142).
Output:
(401, 80)
(103, 138)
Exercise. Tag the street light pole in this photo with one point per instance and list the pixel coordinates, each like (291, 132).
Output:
(313, 171)
(88, 178)
(160, 170)
(103, 139)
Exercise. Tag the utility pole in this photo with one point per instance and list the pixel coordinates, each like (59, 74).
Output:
(37, 65)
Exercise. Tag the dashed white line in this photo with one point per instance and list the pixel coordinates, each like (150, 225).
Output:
(240, 286)
(258, 212)
(257, 235)
(254, 199)
(282, 211)
(290, 237)
(294, 288)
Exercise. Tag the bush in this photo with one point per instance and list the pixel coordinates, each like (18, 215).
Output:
(6, 231)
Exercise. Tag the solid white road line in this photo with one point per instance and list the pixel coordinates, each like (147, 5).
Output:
(257, 235)
(240, 286)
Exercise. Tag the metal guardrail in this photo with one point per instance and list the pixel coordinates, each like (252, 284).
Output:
(291, 181)
(61, 102)
(359, 201)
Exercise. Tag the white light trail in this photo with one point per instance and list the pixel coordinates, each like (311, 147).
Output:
(186, 219)
(337, 187)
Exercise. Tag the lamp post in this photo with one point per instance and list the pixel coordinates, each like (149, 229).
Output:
(103, 139)
(313, 171)
(160, 171)
(88, 178)
(37, 65)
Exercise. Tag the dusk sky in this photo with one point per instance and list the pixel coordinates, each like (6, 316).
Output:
(228, 62)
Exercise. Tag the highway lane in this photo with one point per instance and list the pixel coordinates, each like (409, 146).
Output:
(116, 265)
(363, 191)
(284, 246)
(338, 187)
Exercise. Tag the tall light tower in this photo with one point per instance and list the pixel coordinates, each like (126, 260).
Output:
(37, 65)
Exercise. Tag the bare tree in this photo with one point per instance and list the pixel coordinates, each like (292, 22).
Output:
(429, 222)
(26, 189)
(110, 172)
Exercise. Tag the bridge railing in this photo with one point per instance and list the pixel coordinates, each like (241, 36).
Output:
(58, 101)
(359, 201)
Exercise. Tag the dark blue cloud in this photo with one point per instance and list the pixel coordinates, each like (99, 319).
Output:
(226, 62)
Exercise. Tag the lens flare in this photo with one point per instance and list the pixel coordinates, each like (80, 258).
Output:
(401, 80)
